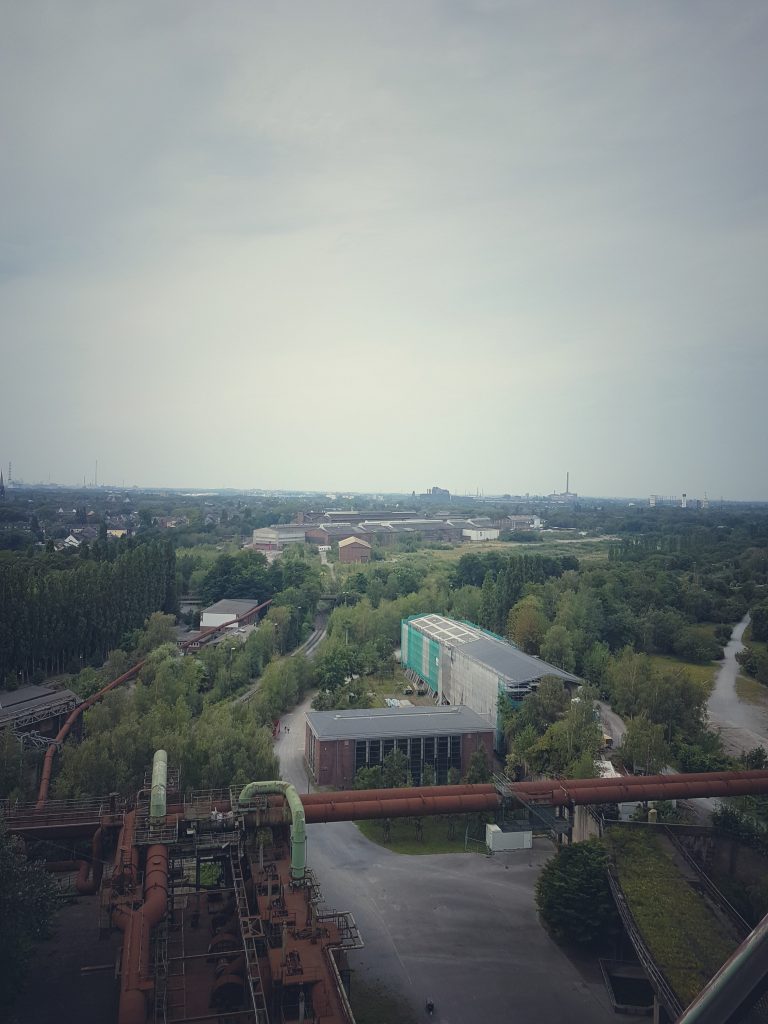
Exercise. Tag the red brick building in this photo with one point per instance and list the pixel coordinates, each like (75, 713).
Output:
(339, 743)
(353, 549)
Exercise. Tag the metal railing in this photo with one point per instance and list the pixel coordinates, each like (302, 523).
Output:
(710, 888)
(61, 812)
(346, 926)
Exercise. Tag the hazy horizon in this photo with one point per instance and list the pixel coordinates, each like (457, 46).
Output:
(474, 244)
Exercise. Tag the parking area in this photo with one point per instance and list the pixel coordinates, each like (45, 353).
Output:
(461, 929)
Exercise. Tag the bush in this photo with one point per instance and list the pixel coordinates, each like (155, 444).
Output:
(573, 896)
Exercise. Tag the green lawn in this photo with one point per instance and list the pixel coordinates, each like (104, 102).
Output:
(392, 686)
(700, 673)
(403, 836)
(751, 691)
(758, 646)
(686, 938)
(583, 548)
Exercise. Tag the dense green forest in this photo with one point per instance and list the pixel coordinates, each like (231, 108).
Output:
(633, 621)
(59, 612)
(633, 626)
(183, 703)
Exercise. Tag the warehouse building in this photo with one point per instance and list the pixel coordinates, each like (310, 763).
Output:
(275, 538)
(339, 743)
(464, 664)
(228, 610)
(354, 549)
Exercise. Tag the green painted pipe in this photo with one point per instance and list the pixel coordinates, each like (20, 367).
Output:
(298, 828)
(159, 785)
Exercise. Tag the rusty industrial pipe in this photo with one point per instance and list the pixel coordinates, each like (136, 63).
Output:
(95, 868)
(61, 735)
(676, 790)
(639, 780)
(136, 925)
(402, 792)
(412, 806)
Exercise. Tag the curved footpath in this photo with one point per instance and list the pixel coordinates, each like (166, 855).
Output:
(743, 724)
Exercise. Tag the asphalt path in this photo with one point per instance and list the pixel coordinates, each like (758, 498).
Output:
(613, 725)
(743, 725)
(460, 929)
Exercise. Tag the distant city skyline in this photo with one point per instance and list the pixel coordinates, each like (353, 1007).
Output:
(387, 246)
(476, 491)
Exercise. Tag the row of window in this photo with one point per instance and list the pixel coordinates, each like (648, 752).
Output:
(442, 752)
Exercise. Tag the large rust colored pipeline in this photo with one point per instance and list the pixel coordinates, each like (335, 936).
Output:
(546, 785)
(137, 925)
(413, 806)
(401, 793)
(61, 735)
(670, 791)
(374, 803)
(95, 868)
(126, 871)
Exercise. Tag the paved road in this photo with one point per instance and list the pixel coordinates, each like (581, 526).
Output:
(743, 725)
(613, 725)
(460, 929)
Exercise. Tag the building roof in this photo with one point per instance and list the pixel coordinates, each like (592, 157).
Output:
(232, 607)
(394, 723)
(34, 703)
(354, 540)
(500, 655)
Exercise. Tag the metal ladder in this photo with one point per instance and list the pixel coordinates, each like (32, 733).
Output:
(250, 930)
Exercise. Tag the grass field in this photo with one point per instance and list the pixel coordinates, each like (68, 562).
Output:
(758, 646)
(391, 686)
(584, 548)
(704, 674)
(686, 938)
(403, 839)
(751, 691)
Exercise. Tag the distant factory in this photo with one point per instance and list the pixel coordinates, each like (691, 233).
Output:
(384, 528)
(683, 501)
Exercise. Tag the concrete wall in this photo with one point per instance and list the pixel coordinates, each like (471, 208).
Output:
(215, 619)
(467, 682)
(584, 825)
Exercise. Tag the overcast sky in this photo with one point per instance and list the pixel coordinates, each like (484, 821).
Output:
(381, 246)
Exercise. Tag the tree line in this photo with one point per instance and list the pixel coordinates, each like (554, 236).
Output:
(56, 615)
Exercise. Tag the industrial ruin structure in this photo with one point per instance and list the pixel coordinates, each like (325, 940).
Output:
(222, 920)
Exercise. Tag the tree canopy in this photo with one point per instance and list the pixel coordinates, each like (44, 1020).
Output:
(573, 896)
(28, 900)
